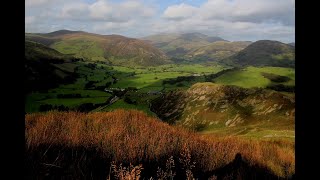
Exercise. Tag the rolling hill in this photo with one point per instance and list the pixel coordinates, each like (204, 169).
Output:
(177, 45)
(46, 68)
(292, 44)
(217, 50)
(111, 49)
(210, 107)
(264, 53)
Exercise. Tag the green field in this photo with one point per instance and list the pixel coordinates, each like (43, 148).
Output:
(145, 79)
(252, 77)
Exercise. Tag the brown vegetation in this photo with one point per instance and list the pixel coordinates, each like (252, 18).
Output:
(127, 137)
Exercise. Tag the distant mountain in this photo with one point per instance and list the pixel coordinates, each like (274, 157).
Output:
(292, 44)
(264, 53)
(177, 45)
(62, 32)
(46, 68)
(217, 50)
(112, 49)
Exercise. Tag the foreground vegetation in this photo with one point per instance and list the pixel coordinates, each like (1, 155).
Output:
(79, 145)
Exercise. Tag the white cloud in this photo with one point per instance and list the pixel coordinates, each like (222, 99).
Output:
(112, 27)
(74, 11)
(29, 19)
(233, 19)
(179, 12)
(249, 11)
(35, 2)
(230, 19)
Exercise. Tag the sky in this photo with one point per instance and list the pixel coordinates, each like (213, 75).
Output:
(233, 20)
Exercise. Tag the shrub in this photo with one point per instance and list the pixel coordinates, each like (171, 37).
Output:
(89, 142)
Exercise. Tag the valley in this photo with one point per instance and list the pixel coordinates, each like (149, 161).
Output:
(188, 83)
(99, 86)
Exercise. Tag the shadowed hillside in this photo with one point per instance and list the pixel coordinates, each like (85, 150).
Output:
(264, 53)
(46, 68)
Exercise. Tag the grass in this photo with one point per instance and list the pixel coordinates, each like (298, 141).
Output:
(130, 136)
(252, 77)
(69, 67)
(120, 104)
(81, 48)
(250, 132)
(74, 102)
(145, 79)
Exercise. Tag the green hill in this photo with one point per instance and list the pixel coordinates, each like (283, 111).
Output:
(46, 68)
(210, 107)
(264, 53)
(111, 49)
(177, 45)
(217, 50)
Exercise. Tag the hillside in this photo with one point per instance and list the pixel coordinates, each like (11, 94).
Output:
(46, 68)
(264, 53)
(88, 145)
(211, 107)
(217, 50)
(111, 49)
(177, 45)
(292, 44)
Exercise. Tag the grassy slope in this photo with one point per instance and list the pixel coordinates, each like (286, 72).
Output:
(36, 51)
(46, 68)
(251, 76)
(229, 110)
(130, 136)
(177, 45)
(264, 53)
(217, 50)
(113, 49)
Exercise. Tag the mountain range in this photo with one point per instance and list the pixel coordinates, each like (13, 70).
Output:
(179, 44)
(166, 48)
(112, 49)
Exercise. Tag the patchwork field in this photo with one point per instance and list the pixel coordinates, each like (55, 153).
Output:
(101, 76)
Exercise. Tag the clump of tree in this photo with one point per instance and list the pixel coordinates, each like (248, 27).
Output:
(49, 107)
(92, 66)
(178, 80)
(210, 77)
(89, 84)
(69, 96)
(128, 100)
(86, 107)
(281, 87)
(275, 78)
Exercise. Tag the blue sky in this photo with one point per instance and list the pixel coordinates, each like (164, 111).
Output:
(233, 20)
